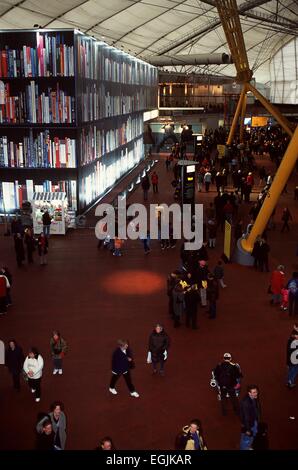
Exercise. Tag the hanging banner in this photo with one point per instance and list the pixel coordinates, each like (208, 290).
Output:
(227, 242)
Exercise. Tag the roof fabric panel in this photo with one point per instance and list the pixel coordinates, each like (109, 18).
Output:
(148, 27)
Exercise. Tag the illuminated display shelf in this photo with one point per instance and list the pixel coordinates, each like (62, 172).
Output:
(71, 114)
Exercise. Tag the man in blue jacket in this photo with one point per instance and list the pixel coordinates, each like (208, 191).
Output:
(122, 362)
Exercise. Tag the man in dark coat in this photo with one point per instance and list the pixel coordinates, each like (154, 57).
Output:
(45, 438)
(212, 295)
(158, 348)
(191, 306)
(14, 360)
(46, 222)
(122, 362)
(250, 412)
(19, 248)
(145, 183)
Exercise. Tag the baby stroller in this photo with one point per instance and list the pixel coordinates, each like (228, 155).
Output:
(237, 388)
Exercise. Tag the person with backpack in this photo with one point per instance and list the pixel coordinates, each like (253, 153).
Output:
(292, 287)
(227, 375)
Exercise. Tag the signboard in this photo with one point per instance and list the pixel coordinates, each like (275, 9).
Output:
(221, 150)
(259, 121)
(188, 184)
(227, 242)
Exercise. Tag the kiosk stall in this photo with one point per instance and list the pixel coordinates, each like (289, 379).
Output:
(56, 204)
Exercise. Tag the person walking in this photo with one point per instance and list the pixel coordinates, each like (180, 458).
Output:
(154, 181)
(178, 304)
(45, 435)
(4, 286)
(118, 243)
(46, 223)
(5, 272)
(250, 412)
(42, 244)
(14, 360)
(227, 375)
(207, 180)
(276, 284)
(212, 295)
(19, 249)
(145, 186)
(212, 230)
(292, 287)
(219, 274)
(30, 244)
(292, 358)
(33, 367)
(158, 346)
(286, 217)
(146, 243)
(58, 350)
(58, 420)
(191, 306)
(122, 362)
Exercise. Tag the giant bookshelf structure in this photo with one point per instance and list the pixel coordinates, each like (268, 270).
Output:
(71, 115)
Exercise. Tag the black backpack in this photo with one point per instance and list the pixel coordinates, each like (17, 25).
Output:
(225, 375)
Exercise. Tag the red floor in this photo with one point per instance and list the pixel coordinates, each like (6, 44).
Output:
(94, 298)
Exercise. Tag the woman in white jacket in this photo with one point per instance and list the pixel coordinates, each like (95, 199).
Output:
(33, 367)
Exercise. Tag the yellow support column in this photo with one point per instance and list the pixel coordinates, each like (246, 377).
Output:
(280, 179)
(243, 111)
(236, 116)
(285, 124)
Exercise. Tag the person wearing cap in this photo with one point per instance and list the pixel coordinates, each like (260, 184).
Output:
(158, 348)
(227, 375)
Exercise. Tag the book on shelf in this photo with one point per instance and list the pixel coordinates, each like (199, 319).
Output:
(50, 58)
(12, 194)
(53, 106)
(40, 151)
(94, 143)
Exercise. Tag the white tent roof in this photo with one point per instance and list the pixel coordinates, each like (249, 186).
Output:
(149, 27)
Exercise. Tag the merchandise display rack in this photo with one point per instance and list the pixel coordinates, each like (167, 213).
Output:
(71, 115)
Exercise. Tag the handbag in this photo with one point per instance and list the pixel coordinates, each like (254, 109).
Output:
(25, 376)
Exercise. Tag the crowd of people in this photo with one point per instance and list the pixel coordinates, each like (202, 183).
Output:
(194, 282)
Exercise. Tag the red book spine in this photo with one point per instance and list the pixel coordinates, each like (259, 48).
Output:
(56, 140)
(4, 63)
